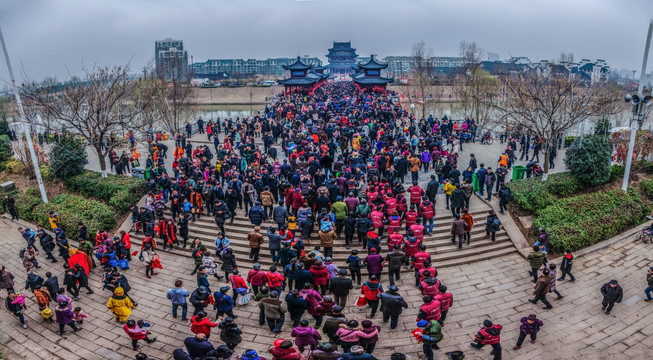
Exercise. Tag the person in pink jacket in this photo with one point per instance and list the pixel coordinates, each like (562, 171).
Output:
(350, 334)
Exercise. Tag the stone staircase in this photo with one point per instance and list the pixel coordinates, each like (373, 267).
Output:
(443, 252)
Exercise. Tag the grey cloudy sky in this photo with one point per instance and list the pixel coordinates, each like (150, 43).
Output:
(47, 37)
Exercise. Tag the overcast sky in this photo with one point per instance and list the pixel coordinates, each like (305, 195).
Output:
(52, 37)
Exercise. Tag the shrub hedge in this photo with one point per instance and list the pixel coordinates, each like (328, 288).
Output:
(26, 202)
(646, 188)
(579, 221)
(73, 209)
(118, 191)
(533, 195)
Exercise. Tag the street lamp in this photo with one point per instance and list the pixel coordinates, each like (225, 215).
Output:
(638, 101)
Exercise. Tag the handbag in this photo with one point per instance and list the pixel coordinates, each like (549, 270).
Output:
(361, 301)
(243, 299)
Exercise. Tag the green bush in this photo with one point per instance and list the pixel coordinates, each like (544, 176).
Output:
(26, 202)
(646, 188)
(531, 195)
(15, 166)
(67, 158)
(644, 166)
(577, 222)
(118, 191)
(617, 172)
(562, 184)
(589, 160)
(72, 209)
(6, 151)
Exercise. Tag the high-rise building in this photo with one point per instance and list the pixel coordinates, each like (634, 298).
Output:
(170, 58)
(223, 68)
(342, 58)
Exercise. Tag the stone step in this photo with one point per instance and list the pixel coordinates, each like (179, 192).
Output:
(444, 250)
(494, 253)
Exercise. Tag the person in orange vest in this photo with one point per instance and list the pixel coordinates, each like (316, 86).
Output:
(490, 334)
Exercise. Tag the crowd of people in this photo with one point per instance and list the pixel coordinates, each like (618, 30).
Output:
(347, 155)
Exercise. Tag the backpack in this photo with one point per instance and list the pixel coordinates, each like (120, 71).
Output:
(123, 264)
(496, 223)
(22, 253)
(506, 194)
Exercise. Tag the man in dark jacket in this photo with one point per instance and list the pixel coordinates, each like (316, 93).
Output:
(332, 323)
(33, 280)
(197, 346)
(481, 178)
(340, 287)
(542, 288)
(297, 305)
(52, 284)
(395, 259)
(47, 243)
(490, 179)
(565, 266)
(257, 214)
(280, 214)
(432, 189)
(350, 228)
(391, 305)
(612, 293)
(504, 198)
(200, 299)
(363, 225)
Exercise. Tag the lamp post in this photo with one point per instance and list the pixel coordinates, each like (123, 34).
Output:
(23, 124)
(638, 101)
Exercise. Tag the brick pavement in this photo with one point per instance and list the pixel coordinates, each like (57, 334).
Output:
(497, 289)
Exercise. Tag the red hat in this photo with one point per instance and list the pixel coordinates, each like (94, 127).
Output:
(278, 342)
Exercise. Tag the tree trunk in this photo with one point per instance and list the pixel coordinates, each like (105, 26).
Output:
(102, 160)
(545, 174)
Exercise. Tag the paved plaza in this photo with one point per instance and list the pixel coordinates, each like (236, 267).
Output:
(497, 289)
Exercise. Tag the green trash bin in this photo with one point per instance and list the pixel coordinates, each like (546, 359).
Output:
(518, 172)
(475, 185)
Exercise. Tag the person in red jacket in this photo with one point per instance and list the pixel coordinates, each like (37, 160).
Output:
(427, 211)
(200, 323)
(237, 282)
(126, 243)
(275, 279)
(283, 350)
(446, 300)
(136, 333)
(418, 261)
(320, 276)
(411, 216)
(490, 334)
(256, 278)
(416, 193)
(430, 310)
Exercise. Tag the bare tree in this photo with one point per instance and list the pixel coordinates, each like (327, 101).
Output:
(423, 73)
(566, 58)
(93, 106)
(175, 108)
(475, 88)
(548, 105)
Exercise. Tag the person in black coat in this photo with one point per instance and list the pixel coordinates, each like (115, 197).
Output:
(199, 299)
(10, 206)
(302, 276)
(350, 228)
(82, 278)
(297, 305)
(197, 346)
(340, 287)
(612, 293)
(363, 224)
(33, 280)
(47, 243)
(432, 189)
(52, 284)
